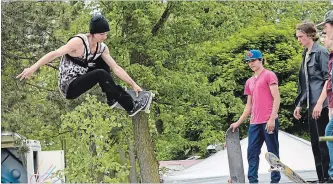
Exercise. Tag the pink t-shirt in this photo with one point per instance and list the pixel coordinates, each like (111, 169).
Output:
(262, 99)
(329, 83)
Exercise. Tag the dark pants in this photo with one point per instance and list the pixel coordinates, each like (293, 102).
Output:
(319, 149)
(100, 74)
(257, 136)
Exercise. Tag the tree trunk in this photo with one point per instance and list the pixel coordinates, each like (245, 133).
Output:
(133, 175)
(142, 138)
(145, 149)
(93, 166)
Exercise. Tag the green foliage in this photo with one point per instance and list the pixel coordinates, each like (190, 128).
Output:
(188, 53)
(93, 151)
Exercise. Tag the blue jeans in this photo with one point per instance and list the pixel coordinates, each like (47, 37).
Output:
(329, 132)
(257, 136)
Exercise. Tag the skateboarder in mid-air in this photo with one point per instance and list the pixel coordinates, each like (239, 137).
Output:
(85, 62)
(263, 101)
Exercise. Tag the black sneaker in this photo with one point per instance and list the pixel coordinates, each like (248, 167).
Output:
(112, 103)
(139, 105)
(330, 180)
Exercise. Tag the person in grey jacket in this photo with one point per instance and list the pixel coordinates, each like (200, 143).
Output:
(313, 76)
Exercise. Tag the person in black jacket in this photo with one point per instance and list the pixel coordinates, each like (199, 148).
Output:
(313, 76)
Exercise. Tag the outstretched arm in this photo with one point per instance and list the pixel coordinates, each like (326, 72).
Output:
(119, 71)
(72, 45)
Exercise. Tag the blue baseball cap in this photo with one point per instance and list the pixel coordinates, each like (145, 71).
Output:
(253, 54)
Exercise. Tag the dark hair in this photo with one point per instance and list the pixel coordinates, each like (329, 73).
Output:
(309, 29)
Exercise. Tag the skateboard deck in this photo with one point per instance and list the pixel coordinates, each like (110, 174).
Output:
(141, 93)
(277, 165)
(235, 158)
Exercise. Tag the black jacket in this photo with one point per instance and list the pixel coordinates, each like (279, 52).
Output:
(311, 85)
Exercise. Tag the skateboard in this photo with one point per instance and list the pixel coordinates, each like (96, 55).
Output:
(235, 158)
(277, 165)
(326, 138)
(141, 93)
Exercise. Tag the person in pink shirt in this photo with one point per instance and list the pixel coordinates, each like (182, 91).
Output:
(263, 101)
(328, 43)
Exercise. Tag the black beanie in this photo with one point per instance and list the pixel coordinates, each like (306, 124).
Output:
(98, 24)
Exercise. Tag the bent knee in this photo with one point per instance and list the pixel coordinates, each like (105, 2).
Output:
(100, 72)
(69, 97)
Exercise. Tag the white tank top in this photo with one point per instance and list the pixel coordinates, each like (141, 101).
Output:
(69, 70)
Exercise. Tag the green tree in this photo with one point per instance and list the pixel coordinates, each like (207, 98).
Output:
(188, 53)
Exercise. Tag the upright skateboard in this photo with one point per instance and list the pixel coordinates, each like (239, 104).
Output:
(235, 158)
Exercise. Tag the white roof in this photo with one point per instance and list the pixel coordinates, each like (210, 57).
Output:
(294, 152)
